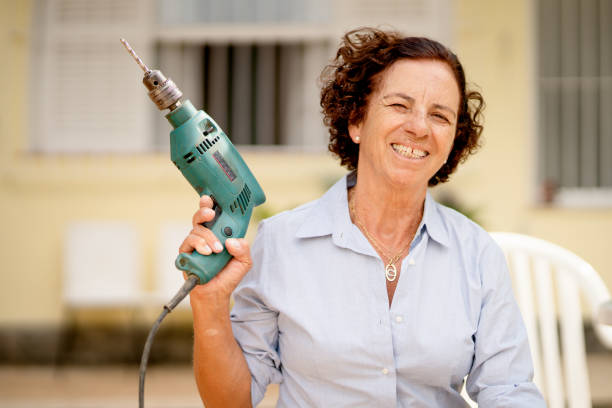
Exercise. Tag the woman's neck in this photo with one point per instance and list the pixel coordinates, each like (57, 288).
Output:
(390, 213)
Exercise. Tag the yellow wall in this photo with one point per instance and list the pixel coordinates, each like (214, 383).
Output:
(39, 195)
(495, 42)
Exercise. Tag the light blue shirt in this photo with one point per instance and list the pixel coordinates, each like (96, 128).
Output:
(313, 315)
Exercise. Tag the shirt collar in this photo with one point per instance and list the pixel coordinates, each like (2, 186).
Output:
(330, 216)
(433, 221)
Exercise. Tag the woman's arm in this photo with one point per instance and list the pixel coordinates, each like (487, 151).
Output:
(220, 369)
(502, 371)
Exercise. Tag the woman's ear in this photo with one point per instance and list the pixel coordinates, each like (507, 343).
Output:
(355, 133)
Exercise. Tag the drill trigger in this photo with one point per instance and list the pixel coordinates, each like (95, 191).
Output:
(218, 210)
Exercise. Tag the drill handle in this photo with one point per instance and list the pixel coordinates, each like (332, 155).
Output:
(224, 226)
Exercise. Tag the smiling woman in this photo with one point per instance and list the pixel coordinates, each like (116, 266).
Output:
(360, 65)
(408, 130)
(373, 295)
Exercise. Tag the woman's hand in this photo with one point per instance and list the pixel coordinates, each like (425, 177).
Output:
(202, 240)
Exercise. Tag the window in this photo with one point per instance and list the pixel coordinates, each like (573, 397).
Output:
(575, 100)
(259, 84)
(263, 94)
(253, 65)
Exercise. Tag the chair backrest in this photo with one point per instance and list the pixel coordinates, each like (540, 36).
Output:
(546, 277)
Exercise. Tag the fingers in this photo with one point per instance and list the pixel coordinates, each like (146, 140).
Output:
(206, 201)
(211, 239)
(204, 214)
(195, 242)
(202, 240)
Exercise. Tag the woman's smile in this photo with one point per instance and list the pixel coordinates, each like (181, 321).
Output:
(409, 152)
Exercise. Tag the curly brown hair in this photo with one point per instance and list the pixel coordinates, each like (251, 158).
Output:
(353, 75)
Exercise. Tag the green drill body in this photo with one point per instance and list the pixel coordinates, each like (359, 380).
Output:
(213, 166)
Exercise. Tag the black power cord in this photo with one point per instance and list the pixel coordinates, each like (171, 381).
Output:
(189, 284)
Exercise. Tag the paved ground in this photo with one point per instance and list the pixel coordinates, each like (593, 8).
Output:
(117, 387)
(106, 387)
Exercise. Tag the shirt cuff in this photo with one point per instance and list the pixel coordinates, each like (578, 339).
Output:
(517, 395)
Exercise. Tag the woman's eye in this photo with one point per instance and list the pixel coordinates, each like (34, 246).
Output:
(398, 106)
(441, 117)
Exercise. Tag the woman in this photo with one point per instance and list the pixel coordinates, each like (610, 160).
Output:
(373, 295)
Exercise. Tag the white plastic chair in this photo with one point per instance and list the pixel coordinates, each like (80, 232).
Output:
(547, 276)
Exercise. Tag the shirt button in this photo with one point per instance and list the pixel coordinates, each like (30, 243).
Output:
(385, 371)
(399, 319)
(411, 262)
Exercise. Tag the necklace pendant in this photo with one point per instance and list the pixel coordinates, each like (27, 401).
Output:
(390, 272)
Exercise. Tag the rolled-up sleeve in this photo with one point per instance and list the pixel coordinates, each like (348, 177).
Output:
(255, 325)
(502, 371)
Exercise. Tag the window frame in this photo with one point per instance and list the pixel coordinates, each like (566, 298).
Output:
(543, 194)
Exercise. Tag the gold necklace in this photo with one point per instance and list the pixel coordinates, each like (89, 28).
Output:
(390, 269)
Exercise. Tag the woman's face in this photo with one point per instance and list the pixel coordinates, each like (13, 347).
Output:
(408, 130)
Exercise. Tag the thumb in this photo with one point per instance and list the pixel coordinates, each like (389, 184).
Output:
(241, 262)
(239, 249)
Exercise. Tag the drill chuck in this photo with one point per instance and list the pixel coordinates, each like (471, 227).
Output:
(163, 91)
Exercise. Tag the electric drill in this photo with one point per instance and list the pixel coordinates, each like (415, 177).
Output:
(211, 164)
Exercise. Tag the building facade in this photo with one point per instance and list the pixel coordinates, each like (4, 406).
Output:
(83, 150)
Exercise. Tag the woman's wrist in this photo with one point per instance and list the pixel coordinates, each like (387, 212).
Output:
(209, 307)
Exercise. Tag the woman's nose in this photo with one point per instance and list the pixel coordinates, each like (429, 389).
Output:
(416, 124)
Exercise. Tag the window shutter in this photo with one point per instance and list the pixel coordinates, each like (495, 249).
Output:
(575, 77)
(87, 91)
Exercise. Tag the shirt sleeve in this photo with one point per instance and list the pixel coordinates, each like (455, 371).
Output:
(255, 325)
(502, 370)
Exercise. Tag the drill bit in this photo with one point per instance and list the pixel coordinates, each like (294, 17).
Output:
(141, 64)
(163, 91)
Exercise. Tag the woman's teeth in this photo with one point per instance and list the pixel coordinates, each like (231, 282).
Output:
(407, 151)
